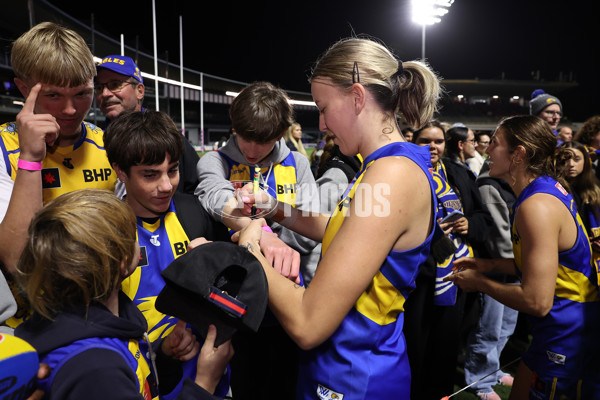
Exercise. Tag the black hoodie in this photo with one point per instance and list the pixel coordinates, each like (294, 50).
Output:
(100, 373)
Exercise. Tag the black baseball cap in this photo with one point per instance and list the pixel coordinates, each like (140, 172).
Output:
(216, 283)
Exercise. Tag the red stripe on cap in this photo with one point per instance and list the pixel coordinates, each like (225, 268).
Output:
(227, 303)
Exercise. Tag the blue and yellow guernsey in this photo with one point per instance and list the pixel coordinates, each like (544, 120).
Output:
(65, 169)
(280, 179)
(445, 292)
(565, 342)
(366, 356)
(81, 165)
(161, 242)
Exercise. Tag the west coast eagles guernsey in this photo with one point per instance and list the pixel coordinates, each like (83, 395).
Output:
(81, 165)
(160, 243)
(565, 342)
(366, 356)
(279, 180)
(65, 169)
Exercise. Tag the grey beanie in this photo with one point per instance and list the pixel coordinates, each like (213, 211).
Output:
(540, 100)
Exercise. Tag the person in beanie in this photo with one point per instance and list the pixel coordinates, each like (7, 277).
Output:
(547, 107)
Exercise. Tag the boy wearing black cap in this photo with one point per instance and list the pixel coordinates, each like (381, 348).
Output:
(119, 88)
(144, 149)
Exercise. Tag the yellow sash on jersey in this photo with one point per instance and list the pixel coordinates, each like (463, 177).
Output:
(142, 371)
(281, 181)
(380, 291)
(145, 283)
(65, 169)
(340, 212)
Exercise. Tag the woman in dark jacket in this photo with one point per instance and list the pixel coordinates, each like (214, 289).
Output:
(433, 319)
(460, 145)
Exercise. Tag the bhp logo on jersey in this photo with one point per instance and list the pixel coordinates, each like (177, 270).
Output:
(95, 175)
(180, 248)
(285, 189)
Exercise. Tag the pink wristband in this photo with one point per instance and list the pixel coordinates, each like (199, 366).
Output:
(267, 229)
(29, 165)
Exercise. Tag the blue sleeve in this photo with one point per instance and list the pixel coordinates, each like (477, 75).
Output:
(95, 374)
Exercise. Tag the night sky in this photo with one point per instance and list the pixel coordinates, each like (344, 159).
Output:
(279, 41)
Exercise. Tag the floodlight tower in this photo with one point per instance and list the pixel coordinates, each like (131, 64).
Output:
(429, 12)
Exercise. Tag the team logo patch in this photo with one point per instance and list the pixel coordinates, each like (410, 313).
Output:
(143, 257)
(67, 163)
(50, 178)
(561, 189)
(154, 240)
(556, 358)
(328, 394)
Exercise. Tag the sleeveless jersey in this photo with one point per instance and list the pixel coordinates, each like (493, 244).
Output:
(594, 231)
(160, 243)
(279, 180)
(128, 349)
(65, 169)
(565, 342)
(366, 356)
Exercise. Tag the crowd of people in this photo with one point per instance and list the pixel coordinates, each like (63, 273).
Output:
(387, 258)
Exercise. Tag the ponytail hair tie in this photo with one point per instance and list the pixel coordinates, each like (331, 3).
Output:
(400, 68)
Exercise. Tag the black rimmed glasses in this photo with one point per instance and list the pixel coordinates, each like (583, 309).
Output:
(115, 85)
(553, 113)
(355, 73)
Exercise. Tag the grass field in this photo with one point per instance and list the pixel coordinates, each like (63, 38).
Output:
(511, 352)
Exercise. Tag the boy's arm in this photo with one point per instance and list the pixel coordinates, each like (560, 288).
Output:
(35, 130)
(307, 201)
(217, 196)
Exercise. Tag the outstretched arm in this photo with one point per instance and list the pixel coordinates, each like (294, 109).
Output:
(217, 195)
(541, 240)
(357, 252)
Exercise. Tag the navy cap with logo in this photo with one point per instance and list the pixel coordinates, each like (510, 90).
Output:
(121, 65)
(216, 283)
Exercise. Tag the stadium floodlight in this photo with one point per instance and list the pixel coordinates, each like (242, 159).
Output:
(429, 12)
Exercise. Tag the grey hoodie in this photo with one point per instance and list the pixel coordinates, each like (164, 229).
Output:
(215, 189)
(8, 305)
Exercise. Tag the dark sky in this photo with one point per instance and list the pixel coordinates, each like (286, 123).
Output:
(280, 40)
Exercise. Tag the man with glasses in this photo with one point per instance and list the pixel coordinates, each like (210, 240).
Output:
(120, 87)
(482, 141)
(547, 107)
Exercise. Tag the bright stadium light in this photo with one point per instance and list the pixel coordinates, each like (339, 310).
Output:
(429, 12)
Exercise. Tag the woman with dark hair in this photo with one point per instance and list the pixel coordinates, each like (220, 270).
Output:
(553, 258)
(460, 143)
(584, 186)
(435, 311)
(589, 136)
(585, 190)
